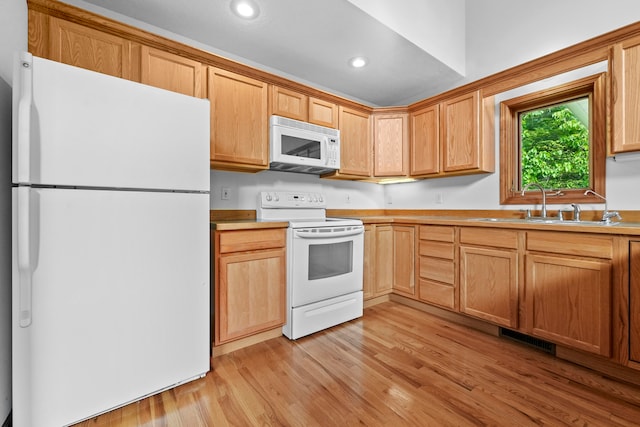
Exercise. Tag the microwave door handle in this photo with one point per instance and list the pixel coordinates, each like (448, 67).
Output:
(345, 233)
(325, 151)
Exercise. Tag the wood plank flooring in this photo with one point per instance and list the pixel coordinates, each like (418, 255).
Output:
(396, 366)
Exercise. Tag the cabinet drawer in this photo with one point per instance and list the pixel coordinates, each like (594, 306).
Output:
(590, 245)
(436, 249)
(437, 293)
(250, 240)
(489, 237)
(441, 270)
(436, 232)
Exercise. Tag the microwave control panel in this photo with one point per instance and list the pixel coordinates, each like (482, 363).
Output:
(333, 152)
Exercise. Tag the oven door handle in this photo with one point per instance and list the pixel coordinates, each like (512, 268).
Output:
(317, 235)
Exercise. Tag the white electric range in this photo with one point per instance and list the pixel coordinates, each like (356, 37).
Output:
(324, 261)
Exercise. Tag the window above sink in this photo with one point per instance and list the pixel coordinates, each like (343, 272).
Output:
(556, 137)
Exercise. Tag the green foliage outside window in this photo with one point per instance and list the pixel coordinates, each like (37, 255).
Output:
(555, 147)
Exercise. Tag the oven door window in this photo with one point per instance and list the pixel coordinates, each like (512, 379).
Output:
(330, 260)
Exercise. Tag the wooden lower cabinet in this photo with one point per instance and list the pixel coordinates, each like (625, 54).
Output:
(404, 243)
(383, 270)
(568, 288)
(250, 282)
(378, 262)
(437, 283)
(634, 301)
(489, 275)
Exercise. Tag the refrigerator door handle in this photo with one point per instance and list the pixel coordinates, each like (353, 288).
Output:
(24, 256)
(24, 119)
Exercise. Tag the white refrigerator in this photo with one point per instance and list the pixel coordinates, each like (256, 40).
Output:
(110, 235)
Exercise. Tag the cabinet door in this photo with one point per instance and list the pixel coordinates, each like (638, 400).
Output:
(251, 293)
(239, 121)
(489, 284)
(568, 301)
(461, 133)
(355, 142)
(390, 145)
(368, 279)
(634, 301)
(323, 113)
(425, 141)
(403, 260)
(383, 259)
(84, 47)
(288, 103)
(172, 72)
(626, 93)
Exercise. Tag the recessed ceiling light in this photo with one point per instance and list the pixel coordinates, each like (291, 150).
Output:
(358, 62)
(247, 9)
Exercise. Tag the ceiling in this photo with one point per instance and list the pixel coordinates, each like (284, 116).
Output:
(307, 41)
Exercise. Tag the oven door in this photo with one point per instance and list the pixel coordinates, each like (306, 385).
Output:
(325, 262)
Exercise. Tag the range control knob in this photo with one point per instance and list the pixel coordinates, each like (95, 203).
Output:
(268, 197)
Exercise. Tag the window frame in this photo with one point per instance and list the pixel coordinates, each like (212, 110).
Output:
(593, 87)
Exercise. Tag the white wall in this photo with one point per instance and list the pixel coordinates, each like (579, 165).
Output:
(246, 186)
(13, 33)
(502, 34)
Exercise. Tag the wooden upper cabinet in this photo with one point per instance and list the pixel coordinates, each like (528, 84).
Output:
(239, 121)
(454, 137)
(297, 106)
(323, 113)
(355, 142)
(390, 144)
(625, 69)
(288, 103)
(461, 136)
(424, 143)
(94, 50)
(172, 72)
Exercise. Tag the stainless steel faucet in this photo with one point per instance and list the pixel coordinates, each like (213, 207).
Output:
(576, 211)
(543, 212)
(606, 214)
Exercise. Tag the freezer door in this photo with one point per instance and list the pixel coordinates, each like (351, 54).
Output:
(117, 304)
(75, 127)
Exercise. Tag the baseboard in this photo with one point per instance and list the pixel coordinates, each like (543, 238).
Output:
(448, 315)
(232, 346)
(377, 300)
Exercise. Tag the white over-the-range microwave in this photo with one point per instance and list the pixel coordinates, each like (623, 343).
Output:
(297, 146)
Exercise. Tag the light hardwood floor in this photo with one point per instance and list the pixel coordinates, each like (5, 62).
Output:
(396, 366)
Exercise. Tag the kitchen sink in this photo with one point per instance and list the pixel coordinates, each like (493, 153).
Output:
(543, 221)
